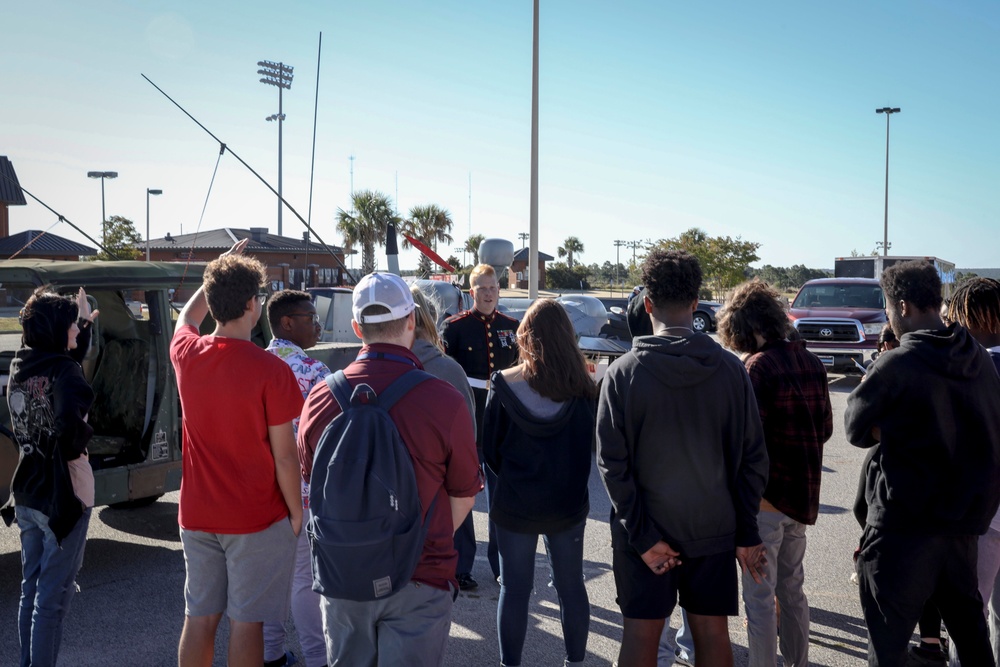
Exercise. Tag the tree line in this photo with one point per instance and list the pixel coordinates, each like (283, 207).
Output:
(725, 261)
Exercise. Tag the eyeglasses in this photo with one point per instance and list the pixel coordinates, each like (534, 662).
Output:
(262, 296)
(314, 316)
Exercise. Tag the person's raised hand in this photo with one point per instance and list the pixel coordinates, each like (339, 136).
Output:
(237, 248)
(83, 306)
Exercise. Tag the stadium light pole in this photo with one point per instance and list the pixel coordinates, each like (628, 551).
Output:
(104, 216)
(279, 75)
(149, 191)
(888, 111)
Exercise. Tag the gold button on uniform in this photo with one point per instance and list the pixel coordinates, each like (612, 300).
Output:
(491, 344)
(491, 356)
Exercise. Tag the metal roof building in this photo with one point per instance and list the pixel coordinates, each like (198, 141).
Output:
(34, 244)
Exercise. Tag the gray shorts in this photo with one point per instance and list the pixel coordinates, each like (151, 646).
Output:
(406, 629)
(247, 576)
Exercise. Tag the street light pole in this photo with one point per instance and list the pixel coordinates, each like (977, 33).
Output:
(888, 111)
(279, 75)
(149, 191)
(104, 216)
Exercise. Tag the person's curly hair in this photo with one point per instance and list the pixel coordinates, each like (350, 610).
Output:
(976, 305)
(753, 309)
(671, 277)
(917, 282)
(230, 281)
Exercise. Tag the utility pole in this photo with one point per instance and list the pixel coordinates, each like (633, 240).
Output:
(633, 245)
(888, 111)
(524, 237)
(280, 76)
(618, 247)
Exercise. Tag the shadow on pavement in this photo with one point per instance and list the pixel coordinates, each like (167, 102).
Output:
(844, 384)
(157, 521)
(822, 621)
(141, 583)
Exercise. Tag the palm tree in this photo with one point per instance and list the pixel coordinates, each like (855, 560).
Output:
(365, 225)
(428, 224)
(472, 245)
(570, 245)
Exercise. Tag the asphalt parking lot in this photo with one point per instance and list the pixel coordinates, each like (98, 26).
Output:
(130, 607)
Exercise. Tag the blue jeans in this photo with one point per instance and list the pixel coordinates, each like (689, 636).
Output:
(517, 578)
(49, 580)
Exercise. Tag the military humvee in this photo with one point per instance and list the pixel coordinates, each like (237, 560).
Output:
(136, 448)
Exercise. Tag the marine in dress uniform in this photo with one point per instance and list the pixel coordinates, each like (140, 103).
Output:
(481, 343)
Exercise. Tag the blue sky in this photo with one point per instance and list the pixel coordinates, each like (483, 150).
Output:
(745, 119)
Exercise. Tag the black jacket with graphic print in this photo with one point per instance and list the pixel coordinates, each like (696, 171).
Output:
(48, 398)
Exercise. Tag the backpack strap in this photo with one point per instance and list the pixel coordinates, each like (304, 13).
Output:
(401, 387)
(341, 389)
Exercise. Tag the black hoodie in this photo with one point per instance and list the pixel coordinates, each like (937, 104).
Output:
(681, 448)
(542, 464)
(936, 400)
(48, 399)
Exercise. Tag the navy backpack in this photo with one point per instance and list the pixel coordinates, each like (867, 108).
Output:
(367, 530)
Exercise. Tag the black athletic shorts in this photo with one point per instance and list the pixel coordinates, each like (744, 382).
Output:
(706, 585)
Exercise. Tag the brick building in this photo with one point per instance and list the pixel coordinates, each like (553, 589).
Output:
(290, 262)
(519, 268)
(10, 193)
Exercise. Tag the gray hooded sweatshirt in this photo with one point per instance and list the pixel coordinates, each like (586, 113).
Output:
(680, 447)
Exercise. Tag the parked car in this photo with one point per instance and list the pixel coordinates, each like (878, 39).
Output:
(840, 319)
(704, 316)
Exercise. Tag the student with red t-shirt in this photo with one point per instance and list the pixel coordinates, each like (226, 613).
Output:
(240, 504)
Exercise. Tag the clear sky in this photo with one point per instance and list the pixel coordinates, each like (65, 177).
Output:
(745, 119)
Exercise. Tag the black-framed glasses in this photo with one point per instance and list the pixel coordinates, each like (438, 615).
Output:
(262, 296)
(314, 316)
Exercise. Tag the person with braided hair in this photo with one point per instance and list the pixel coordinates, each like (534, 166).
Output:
(931, 407)
(976, 306)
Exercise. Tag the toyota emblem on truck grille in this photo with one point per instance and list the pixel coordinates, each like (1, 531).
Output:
(826, 333)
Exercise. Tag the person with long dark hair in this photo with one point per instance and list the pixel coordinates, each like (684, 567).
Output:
(52, 491)
(537, 433)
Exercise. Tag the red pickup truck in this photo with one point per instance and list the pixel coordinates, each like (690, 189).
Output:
(840, 320)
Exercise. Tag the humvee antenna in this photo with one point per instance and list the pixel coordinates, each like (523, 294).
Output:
(259, 177)
(56, 213)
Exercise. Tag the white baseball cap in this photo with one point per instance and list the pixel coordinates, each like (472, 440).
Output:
(381, 289)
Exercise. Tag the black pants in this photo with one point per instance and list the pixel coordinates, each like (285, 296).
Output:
(465, 540)
(899, 573)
